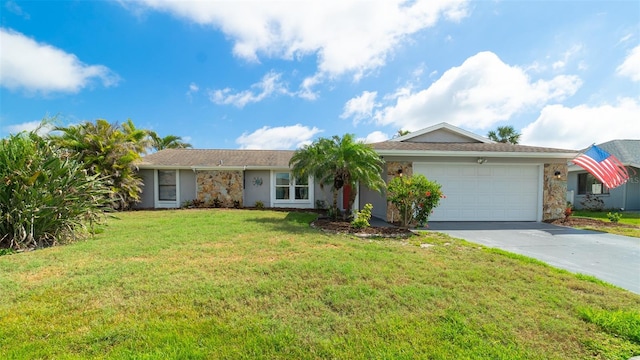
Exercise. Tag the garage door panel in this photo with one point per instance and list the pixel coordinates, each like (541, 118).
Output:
(484, 192)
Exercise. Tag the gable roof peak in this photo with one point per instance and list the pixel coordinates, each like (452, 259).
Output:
(444, 126)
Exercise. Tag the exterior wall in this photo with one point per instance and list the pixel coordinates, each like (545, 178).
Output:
(625, 197)
(146, 198)
(187, 185)
(325, 195)
(257, 184)
(378, 200)
(393, 168)
(441, 136)
(554, 193)
(224, 185)
(633, 190)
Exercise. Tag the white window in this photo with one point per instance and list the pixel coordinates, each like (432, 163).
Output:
(167, 194)
(290, 190)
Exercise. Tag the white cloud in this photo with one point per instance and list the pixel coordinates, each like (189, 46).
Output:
(630, 67)
(478, 94)
(193, 88)
(578, 127)
(37, 67)
(282, 137)
(360, 107)
(625, 38)
(566, 57)
(13, 7)
(28, 126)
(374, 137)
(347, 36)
(269, 85)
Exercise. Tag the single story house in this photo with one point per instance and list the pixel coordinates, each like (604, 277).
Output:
(482, 180)
(626, 197)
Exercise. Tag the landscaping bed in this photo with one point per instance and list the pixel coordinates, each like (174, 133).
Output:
(345, 227)
(589, 222)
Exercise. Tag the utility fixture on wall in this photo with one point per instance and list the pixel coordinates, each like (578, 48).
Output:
(481, 160)
(558, 174)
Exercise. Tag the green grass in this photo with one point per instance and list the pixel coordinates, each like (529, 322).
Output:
(628, 218)
(238, 284)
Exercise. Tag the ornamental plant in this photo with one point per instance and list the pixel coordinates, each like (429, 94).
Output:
(46, 196)
(362, 217)
(415, 197)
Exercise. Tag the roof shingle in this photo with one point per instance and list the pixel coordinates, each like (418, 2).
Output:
(211, 158)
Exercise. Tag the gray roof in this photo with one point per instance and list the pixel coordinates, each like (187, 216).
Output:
(627, 151)
(207, 158)
(466, 147)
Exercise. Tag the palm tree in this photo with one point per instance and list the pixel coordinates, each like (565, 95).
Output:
(401, 133)
(340, 161)
(504, 134)
(109, 150)
(168, 142)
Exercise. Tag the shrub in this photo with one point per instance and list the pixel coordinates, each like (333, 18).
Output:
(362, 217)
(259, 205)
(592, 202)
(45, 195)
(216, 203)
(415, 197)
(614, 217)
(568, 211)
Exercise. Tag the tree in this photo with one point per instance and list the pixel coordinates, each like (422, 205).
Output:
(504, 134)
(401, 133)
(109, 150)
(168, 142)
(46, 196)
(340, 161)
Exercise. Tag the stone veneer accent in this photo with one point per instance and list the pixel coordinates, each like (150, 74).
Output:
(225, 185)
(554, 198)
(392, 172)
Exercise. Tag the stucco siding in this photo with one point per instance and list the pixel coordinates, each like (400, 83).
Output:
(187, 185)
(146, 197)
(441, 136)
(633, 192)
(378, 200)
(256, 187)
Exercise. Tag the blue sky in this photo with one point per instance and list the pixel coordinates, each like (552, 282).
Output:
(278, 74)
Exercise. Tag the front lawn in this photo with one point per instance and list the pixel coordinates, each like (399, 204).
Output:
(629, 222)
(233, 284)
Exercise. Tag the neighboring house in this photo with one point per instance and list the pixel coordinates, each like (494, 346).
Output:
(482, 180)
(625, 197)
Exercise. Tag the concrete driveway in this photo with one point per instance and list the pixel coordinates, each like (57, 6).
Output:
(612, 258)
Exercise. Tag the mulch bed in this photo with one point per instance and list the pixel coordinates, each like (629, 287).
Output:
(344, 227)
(584, 222)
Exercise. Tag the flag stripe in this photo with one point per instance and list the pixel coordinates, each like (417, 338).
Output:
(604, 166)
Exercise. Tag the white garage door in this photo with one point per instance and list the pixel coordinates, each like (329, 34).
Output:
(484, 192)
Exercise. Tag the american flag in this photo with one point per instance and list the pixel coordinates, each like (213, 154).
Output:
(604, 166)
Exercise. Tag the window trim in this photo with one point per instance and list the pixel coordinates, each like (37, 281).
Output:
(302, 203)
(605, 190)
(156, 190)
